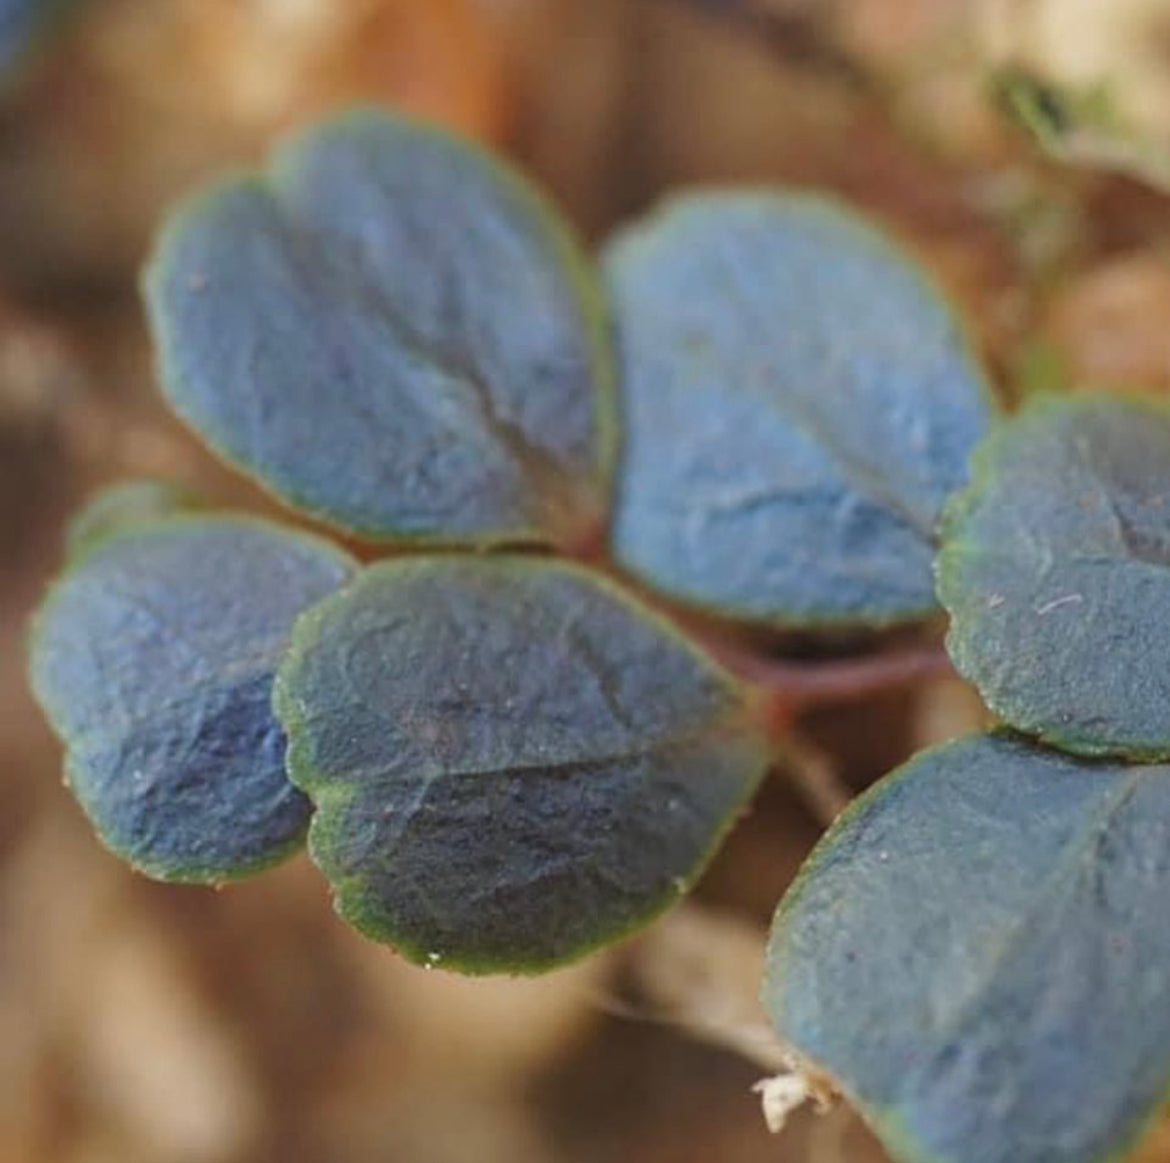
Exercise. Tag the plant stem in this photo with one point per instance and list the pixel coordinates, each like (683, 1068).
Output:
(788, 688)
(794, 687)
(814, 775)
(699, 970)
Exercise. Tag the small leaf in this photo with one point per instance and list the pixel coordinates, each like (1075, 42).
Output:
(978, 954)
(1056, 571)
(153, 658)
(512, 762)
(798, 405)
(395, 335)
(119, 507)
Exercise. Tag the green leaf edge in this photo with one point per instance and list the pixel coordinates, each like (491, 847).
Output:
(1033, 411)
(125, 505)
(270, 177)
(884, 1120)
(346, 891)
(876, 234)
(193, 875)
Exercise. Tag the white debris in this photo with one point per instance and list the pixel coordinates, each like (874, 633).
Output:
(784, 1093)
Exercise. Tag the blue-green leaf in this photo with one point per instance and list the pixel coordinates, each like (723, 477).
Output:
(153, 658)
(393, 333)
(798, 404)
(978, 954)
(1056, 572)
(511, 761)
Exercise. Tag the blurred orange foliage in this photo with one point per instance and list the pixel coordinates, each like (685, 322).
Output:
(145, 101)
(265, 64)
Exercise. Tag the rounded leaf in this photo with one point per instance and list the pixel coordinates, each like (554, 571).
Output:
(153, 658)
(394, 334)
(511, 761)
(122, 506)
(1056, 571)
(977, 954)
(797, 402)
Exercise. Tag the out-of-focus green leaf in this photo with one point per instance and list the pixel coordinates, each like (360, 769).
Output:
(1080, 125)
(511, 761)
(978, 954)
(797, 405)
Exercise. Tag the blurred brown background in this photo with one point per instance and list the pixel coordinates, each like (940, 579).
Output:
(147, 1024)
